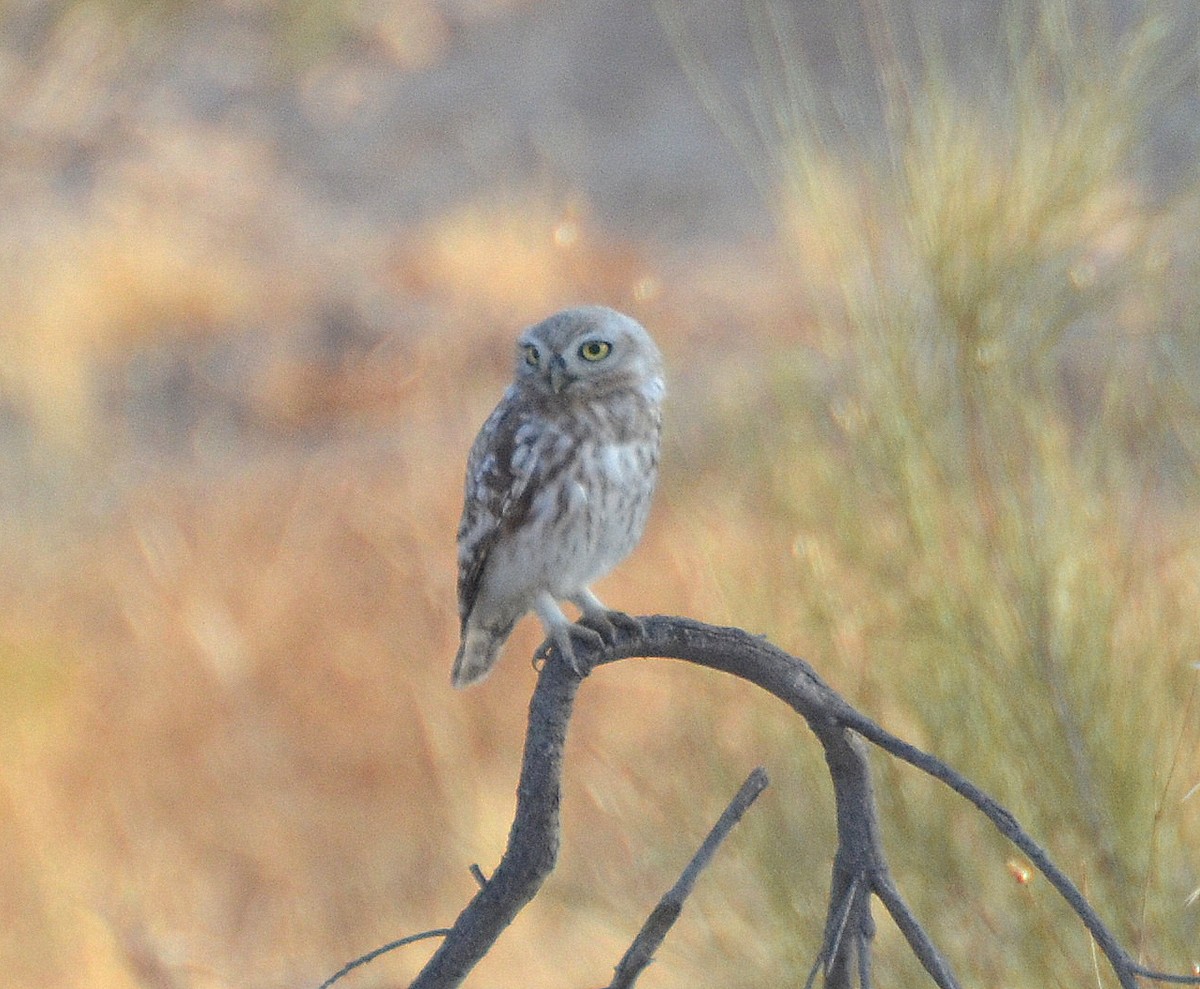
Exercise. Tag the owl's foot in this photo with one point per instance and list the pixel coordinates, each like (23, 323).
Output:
(561, 639)
(611, 625)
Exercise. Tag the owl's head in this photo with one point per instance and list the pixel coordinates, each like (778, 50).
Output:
(591, 351)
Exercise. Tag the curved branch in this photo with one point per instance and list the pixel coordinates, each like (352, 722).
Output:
(532, 842)
(859, 869)
(383, 949)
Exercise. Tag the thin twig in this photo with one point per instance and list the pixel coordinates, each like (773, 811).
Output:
(816, 967)
(370, 956)
(833, 943)
(1149, 973)
(920, 942)
(663, 916)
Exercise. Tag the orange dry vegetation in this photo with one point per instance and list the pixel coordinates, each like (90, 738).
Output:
(232, 755)
(942, 440)
(235, 758)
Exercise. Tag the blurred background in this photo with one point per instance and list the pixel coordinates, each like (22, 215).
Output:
(926, 277)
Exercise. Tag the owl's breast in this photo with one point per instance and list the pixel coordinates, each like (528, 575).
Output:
(617, 481)
(624, 465)
(588, 508)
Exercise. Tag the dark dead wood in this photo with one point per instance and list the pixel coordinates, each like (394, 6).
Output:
(664, 915)
(860, 871)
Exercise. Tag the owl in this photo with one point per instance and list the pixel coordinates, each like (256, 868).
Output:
(559, 483)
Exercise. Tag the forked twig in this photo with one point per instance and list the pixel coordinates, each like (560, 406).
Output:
(860, 869)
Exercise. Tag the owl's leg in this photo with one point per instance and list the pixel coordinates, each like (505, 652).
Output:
(560, 630)
(605, 621)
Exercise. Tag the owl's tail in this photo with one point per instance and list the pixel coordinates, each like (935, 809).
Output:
(477, 654)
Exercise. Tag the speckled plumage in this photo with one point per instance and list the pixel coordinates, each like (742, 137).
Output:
(559, 482)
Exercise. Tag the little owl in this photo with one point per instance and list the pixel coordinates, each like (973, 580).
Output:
(559, 482)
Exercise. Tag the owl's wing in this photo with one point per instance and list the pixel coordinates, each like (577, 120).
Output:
(502, 464)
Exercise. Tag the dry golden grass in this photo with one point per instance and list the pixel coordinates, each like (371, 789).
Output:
(932, 445)
(235, 755)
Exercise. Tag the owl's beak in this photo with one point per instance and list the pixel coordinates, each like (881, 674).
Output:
(560, 377)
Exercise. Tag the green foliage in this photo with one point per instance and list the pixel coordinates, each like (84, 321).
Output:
(986, 459)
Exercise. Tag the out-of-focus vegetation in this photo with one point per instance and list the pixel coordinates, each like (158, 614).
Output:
(988, 459)
(942, 440)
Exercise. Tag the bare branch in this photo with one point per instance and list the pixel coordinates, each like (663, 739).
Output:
(924, 948)
(1153, 976)
(859, 868)
(1123, 964)
(663, 917)
(532, 842)
(832, 947)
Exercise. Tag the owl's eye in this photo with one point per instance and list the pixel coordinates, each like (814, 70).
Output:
(532, 356)
(595, 350)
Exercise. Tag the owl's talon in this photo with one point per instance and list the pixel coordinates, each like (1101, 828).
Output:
(560, 640)
(629, 624)
(611, 625)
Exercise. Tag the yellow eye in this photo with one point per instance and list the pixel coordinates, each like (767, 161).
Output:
(532, 356)
(595, 350)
